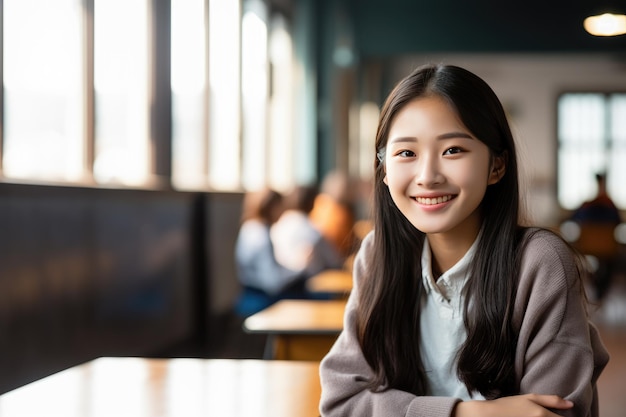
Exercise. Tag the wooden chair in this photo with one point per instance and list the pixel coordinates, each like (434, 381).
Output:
(597, 239)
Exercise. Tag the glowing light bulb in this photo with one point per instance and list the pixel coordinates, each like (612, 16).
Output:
(606, 24)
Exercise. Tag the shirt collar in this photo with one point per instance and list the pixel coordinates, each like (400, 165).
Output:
(451, 282)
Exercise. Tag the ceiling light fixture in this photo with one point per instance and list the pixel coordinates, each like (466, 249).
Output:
(607, 24)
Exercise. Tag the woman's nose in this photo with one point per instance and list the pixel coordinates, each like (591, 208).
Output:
(428, 172)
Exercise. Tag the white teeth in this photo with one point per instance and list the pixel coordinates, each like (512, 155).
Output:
(434, 200)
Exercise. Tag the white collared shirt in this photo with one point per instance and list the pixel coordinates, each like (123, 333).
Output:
(442, 331)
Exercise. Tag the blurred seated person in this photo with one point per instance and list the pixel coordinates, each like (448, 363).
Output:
(264, 280)
(600, 209)
(298, 244)
(333, 212)
(597, 219)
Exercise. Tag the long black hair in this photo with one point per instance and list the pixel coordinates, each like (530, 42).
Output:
(389, 308)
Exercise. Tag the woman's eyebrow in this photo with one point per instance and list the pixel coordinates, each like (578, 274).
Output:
(453, 135)
(449, 135)
(403, 139)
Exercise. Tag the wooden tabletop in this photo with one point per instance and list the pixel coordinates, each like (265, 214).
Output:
(332, 281)
(321, 317)
(135, 387)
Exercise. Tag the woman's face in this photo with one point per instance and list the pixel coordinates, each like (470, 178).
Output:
(437, 172)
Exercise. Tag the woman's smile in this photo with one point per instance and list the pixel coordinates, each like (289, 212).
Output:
(431, 201)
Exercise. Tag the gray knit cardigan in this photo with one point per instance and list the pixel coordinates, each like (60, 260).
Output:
(558, 351)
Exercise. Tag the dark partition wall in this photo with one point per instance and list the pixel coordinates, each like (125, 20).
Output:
(92, 272)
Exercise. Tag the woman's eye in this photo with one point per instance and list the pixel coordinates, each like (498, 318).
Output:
(453, 150)
(406, 154)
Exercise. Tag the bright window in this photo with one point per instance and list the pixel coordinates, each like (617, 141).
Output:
(80, 80)
(592, 139)
(225, 91)
(254, 88)
(122, 80)
(281, 103)
(189, 108)
(43, 90)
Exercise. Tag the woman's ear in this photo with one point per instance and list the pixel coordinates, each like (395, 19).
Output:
(498, 168)
(380, 155)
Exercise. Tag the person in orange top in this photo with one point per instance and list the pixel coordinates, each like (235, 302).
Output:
(333, 212)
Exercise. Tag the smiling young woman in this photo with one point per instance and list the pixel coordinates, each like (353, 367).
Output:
(457, 308)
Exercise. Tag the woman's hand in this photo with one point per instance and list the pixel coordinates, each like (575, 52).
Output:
(527, 405)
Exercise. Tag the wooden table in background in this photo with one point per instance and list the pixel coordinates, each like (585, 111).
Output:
(135, 387)
(335, 282)
(298, 329)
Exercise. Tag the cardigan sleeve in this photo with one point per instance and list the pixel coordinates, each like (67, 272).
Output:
(344, 372)
(558, 351)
